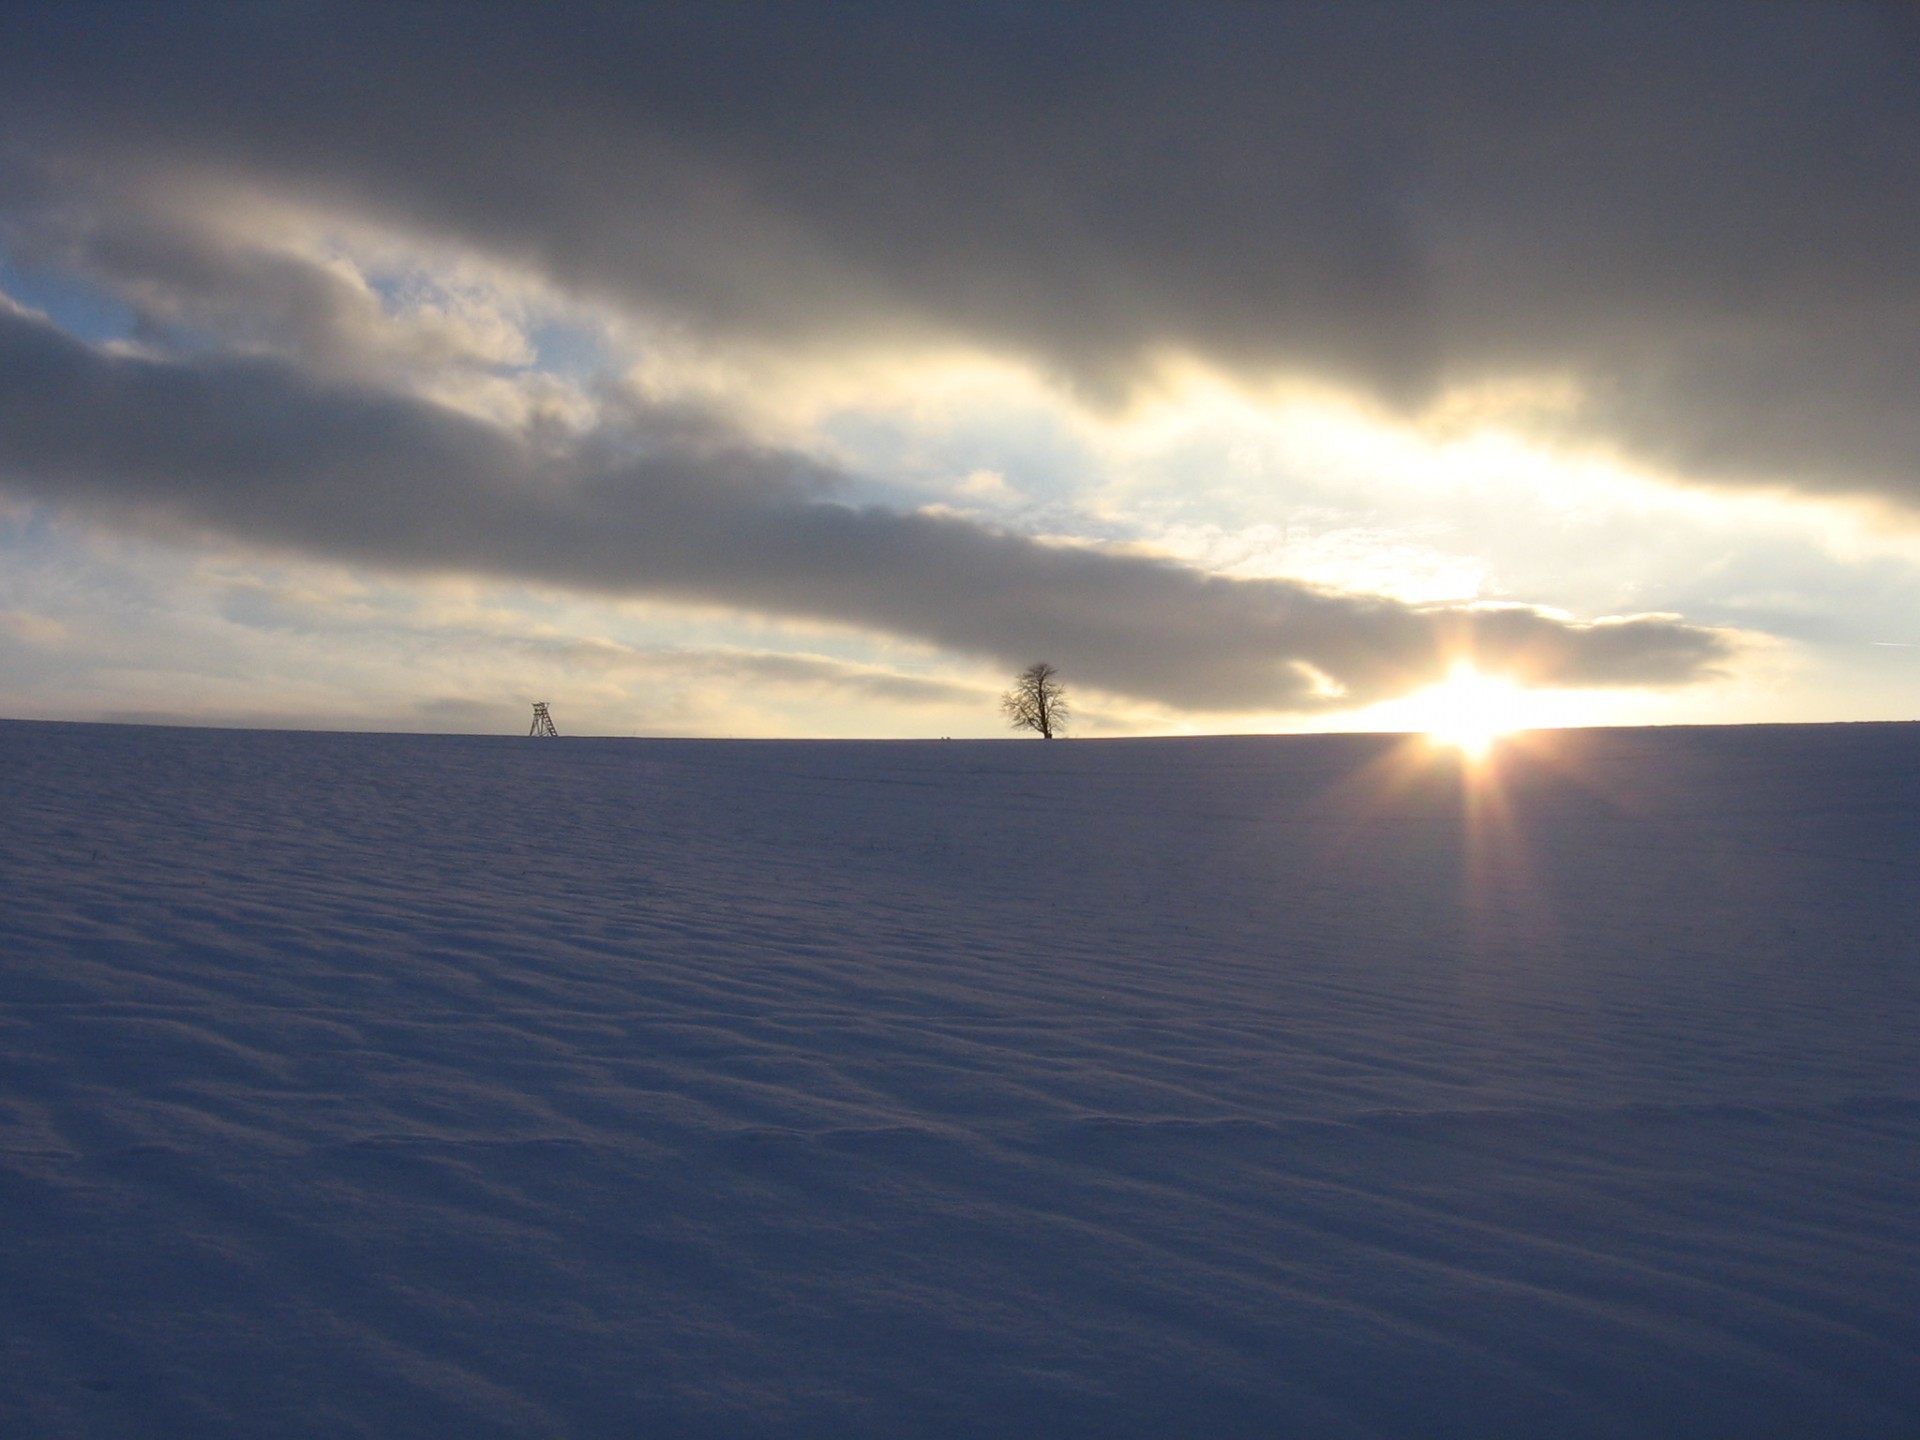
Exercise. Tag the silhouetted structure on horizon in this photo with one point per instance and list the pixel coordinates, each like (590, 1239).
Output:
(542, 721)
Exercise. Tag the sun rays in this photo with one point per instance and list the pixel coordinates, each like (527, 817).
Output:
(1463, 775)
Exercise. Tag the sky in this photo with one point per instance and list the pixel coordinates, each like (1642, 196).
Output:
(809, 369)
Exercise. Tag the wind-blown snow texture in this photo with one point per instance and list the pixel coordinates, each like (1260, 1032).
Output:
(368, 1085)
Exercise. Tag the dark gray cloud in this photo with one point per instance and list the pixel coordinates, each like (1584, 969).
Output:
(1703, 212)
(672, 502)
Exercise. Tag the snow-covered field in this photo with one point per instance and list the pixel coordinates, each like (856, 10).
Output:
(426, 1086)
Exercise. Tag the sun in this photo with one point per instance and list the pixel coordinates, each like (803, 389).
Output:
(1469, 711)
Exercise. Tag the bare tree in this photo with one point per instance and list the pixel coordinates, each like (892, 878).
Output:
(1037, 701)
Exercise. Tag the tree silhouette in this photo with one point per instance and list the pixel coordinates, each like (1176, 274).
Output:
(1037, 701)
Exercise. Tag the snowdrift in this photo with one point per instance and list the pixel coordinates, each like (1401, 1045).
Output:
(1318, 1086)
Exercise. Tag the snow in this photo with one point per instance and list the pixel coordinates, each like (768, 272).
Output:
(1322, 1086)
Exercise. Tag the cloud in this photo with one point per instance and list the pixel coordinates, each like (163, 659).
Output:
(811, 672)
(42, 632)
(1701, 216)
(669, 501)
(201, 267)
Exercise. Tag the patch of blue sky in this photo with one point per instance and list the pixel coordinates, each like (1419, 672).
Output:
(90, 313)
(900, 457)
(572, 351)
(82, 310)
(1792, 590)
(30, 533)
(396, 288)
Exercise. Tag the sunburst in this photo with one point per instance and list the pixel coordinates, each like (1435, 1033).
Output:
(1469, 711)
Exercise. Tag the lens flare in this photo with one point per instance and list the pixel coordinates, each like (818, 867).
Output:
(1469, 711)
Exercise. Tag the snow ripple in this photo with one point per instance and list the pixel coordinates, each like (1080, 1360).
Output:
(428, 1086)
